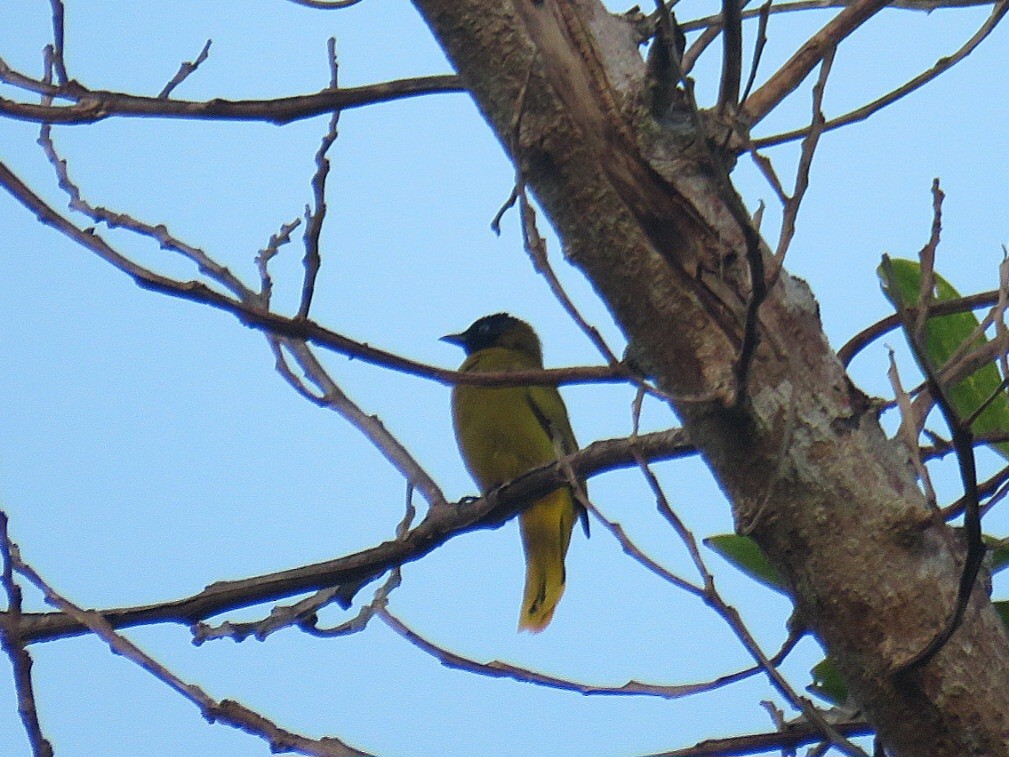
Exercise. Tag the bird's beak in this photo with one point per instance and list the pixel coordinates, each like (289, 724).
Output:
(457, 339)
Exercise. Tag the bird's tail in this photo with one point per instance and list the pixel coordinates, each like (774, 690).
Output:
(546, 533)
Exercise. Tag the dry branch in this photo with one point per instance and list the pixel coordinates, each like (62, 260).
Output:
(89, 106)
(441, 524)
(253, 316)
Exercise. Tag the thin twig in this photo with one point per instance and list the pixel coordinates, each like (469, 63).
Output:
(304, 613)
(884, 326)
(535, 245)
(157, 232)
(359, 622)
(326, 4)
(59, 36)
(732, 618)
(226, 711)
(280, 617)
(13, 647)
(185, 70)
(333, 398)
(786, 741)
(693, 53)
(991, 488)
(638, 555)
(809, 144)
(265, 255)
(767, 169)
(962, 442)
(941, 447)
(306, 329)
(864, 112)
(763, 13)
(910, 431)
(314, 217)
(922, 6)
(499, 669)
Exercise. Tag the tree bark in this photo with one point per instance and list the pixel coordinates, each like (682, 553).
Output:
(646, 215)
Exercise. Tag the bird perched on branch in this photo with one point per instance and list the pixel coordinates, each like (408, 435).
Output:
(506, 431)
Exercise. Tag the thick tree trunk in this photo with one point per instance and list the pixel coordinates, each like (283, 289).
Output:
(802, 458)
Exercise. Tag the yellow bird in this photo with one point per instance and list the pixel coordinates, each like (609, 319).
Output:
(505, 431)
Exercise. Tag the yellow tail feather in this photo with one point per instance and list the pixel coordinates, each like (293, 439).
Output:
(546, 533)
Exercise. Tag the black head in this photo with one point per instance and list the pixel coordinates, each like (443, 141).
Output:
(498, 330)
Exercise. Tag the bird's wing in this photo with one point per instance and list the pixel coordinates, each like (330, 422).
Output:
(547, 406)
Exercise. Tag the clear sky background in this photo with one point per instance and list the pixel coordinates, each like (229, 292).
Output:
(148, 447)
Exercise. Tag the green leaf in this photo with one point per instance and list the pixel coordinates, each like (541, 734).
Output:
(743, 552)
(998, 552)
(943, 336)
(828, 684)
(1002, 608)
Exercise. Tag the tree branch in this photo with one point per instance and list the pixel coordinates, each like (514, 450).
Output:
(860, 114)
(441, 524)
(90, 106)
(797, 68)
(295, 328)
(794, 735)
(226, 711)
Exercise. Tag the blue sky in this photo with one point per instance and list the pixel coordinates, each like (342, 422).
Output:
(148, 447)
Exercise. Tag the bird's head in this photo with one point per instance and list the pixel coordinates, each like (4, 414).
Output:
(498, 330)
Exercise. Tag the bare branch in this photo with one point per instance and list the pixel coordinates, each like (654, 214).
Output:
(990, 488)
(910, 430)
(304, 613)
(700, 44)
(941, 65)
(884, 326)
(280, 617)
(57, 47)
(325, 4)
(498, 669)
(792, 73)
(763, 13)
(767, 169)
(315, 217)
(794, 735)
(159, 232)
(304, 329)
(89, 106)
(923, 6)
(13, 647)
(187, 68)
(805, 162)
(632, 550)
(732, 56)
(370, 426)
(226, 711)
(731, 617)
(282, 237)
(962, 441)
(440, 524)
(536, 247)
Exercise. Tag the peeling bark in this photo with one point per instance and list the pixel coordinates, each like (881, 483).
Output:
(643, 212)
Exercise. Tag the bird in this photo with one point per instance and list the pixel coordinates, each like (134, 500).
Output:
(503, 432)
